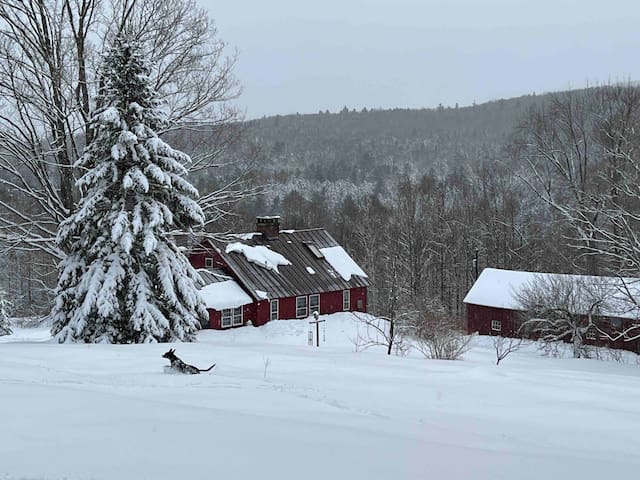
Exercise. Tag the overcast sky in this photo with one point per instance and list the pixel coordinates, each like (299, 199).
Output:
(304, 56)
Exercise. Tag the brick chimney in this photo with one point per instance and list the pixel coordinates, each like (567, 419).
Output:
(268, 226)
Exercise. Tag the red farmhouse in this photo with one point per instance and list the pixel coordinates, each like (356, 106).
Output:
(277, 274)
(493, 307)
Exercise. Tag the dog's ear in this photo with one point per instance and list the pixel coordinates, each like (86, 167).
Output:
(173, 350)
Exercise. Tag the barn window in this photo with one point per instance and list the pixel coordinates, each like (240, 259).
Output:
(314, 303)
(346, 300)
(496, 325)
(301, 307)
(360, 304)
(591, 334)
(208, 262)
(616, 323)
(274, 310)
(231, 317)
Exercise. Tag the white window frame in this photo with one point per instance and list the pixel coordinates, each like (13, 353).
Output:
(299, 312)
(238, 316)
(226, 318)
(496, 325)
(317, 303)
(231, 317)
(208, 262)
(277, 311)
(346, 300)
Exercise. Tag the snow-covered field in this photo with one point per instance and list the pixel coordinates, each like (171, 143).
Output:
(275, 408)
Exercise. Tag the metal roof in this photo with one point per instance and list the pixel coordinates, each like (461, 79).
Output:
(290, 280)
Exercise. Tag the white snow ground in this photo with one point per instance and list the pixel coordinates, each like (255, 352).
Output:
(110, 412)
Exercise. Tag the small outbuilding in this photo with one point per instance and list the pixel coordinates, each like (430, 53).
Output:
(493, 307)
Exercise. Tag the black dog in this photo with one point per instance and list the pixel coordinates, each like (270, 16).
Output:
(181, 367)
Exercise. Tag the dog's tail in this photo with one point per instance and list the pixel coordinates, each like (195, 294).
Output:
(206, 370)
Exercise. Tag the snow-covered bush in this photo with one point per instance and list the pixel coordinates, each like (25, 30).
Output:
(438, 336)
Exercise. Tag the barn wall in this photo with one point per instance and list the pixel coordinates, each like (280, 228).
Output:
(479, 320)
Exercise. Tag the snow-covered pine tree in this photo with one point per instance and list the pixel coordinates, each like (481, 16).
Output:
(124, 279)
(5, 326)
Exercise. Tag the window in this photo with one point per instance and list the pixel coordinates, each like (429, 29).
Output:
(360, 304)
(208, 262)
(591, 334)
(313, 249)
(274, 310)
(314, 303)
(231, 317)
(346, 300)
(301, 307)
(616, 323)
(496, 325)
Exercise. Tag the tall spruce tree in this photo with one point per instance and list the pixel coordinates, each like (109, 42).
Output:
(124, 279)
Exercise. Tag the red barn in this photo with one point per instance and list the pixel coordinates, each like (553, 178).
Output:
(276, 274)
(493, 307)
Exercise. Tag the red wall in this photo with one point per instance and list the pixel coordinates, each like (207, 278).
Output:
(359, 294)
(259, 313)
(479, 320)
(198, 259)
(215, 317)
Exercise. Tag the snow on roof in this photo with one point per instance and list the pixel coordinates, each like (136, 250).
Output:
(311, 271)
(499, 288)
(221, 295)
(341, 262)
(260, 255)
(262, 294)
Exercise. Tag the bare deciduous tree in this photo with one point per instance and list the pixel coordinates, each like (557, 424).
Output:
(504, 346)
(563, 308)
(48, 52)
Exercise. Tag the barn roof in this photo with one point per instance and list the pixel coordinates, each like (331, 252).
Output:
(499, 289)
(297, 262)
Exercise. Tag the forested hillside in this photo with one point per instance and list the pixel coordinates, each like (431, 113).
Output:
(417, 195)
(539, 183)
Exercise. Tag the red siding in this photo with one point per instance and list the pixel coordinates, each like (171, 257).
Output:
(331, 302)
(215, 317)
(287, 308)
(198, 259)
(263, 313)
(359, 294)
(479, 320)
